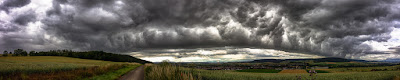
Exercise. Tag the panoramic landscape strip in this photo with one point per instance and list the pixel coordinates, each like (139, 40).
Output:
(199, 39)
(95, 65)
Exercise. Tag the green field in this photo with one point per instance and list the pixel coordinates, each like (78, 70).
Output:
(260, 70)
(54, 67)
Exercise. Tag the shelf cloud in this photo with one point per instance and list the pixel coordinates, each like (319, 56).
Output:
(335, 28)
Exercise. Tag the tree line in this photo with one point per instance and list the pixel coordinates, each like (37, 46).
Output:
(97, 55)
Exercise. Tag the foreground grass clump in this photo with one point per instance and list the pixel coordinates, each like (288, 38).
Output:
(53, 67)
(166, 71)
(260, 70)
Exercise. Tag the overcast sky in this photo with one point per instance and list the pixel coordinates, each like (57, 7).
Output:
(356, 29)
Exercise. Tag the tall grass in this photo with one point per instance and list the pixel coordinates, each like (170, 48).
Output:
(167, 71)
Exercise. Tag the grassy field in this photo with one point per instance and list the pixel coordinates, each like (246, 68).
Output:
(260, 70)
(53, 67)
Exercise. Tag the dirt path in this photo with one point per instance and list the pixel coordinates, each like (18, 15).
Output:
(137, 74)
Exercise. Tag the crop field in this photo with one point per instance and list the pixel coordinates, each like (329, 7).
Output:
(260, 70)
(53, 67)
(293, 71)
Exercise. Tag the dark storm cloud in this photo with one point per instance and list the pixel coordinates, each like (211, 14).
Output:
(24, 19)
(396, 49)
(324, 27)
(7, 4)
(6, 27)
(20, 20)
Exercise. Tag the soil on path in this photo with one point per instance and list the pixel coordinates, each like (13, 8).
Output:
(137, 74)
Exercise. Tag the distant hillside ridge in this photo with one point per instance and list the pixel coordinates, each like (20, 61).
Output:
(97, 55)
(329, 59)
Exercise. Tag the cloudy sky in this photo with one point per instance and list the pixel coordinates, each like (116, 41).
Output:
(206, 30)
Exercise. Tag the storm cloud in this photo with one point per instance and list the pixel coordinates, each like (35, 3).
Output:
(339, 28)
(396, 49)
(7, 4)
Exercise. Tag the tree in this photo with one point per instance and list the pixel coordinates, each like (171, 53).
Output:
(24, 53)
(32, 53)
(5, 53)
(19, 52)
